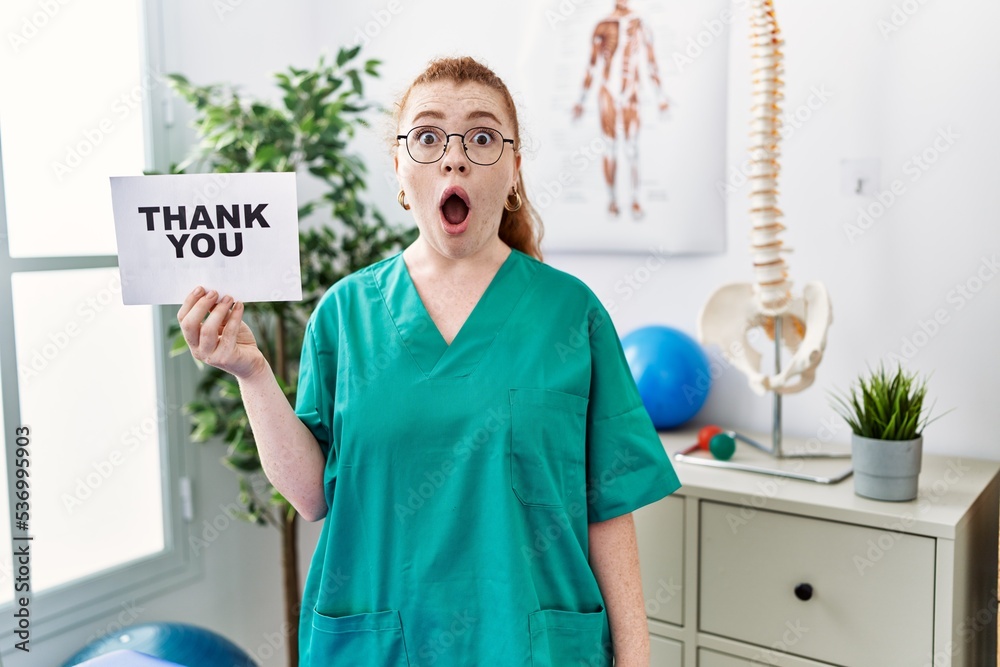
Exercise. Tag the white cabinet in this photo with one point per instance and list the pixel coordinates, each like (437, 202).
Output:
(664, 651)
(804, 584)
(745, 569)
(661, 558)
(710, 658)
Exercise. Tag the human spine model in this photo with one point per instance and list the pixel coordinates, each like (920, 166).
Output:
(771, 283)
(737, 308)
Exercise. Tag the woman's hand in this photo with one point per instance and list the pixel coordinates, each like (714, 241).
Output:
(222, 339)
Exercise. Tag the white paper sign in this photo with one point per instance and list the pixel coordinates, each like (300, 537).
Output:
(235, 233)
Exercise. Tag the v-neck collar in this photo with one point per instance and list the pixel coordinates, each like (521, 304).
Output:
(420, 335)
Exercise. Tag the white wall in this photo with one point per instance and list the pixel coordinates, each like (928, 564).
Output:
(888, 98)
(863, 80)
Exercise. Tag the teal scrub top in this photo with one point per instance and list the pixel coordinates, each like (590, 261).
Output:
(460, 478)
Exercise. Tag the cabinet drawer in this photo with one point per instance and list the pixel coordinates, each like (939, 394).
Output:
(665, 652)
(709, 658)
(872, 591)
(659, 531)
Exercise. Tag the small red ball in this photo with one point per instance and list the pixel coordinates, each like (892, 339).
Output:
(706, 434)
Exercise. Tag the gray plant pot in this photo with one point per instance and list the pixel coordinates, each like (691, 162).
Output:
(886, 469)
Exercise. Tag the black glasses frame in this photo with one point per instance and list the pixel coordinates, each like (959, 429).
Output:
(447, 140)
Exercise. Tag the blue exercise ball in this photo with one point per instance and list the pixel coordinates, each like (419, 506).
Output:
(180, 643)
(671, 371)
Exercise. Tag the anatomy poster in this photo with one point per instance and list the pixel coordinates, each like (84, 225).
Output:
(622, 107)
(626, 100)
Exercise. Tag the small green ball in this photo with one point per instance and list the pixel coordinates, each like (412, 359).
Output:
(722, 446)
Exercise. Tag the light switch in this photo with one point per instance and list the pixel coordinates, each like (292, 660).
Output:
(859, 176)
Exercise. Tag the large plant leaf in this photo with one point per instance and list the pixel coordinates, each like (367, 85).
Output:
(307, 131)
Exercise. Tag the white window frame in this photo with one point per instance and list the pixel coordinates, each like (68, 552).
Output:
(107, 594)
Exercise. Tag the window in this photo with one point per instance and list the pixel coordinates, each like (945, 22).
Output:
(88, 376)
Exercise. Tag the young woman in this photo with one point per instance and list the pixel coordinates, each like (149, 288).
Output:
(465, 421)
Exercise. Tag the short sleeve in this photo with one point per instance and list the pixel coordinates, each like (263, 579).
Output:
(627, 465)
(313, 395)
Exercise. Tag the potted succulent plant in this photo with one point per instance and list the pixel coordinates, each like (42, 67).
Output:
(887, 416)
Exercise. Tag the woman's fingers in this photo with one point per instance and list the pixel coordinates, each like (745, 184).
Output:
(208, 339)
(227, 342)
(189, 302)
(212, 327)
(191, 321)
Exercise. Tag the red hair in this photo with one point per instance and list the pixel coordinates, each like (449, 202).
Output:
(521, 229)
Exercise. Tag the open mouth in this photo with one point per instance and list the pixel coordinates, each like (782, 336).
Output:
(455, 205)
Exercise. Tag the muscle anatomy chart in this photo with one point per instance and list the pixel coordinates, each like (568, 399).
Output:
(619, 41)
(626, 123)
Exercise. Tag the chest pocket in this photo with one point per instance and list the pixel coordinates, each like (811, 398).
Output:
(547, 446)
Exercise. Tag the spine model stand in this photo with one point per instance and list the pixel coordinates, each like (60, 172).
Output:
(767, 304)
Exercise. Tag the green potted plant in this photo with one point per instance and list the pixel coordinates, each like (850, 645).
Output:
(887, 416)
(319, 111)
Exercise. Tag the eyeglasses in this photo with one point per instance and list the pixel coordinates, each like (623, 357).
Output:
(427, 144)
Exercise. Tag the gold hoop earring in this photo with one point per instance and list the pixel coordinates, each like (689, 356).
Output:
(517, 205)
(401, 198)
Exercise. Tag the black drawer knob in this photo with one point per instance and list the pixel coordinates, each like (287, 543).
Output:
(803, 591)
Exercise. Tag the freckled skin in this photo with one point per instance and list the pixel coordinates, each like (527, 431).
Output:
(451, 272)
(488, 186)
